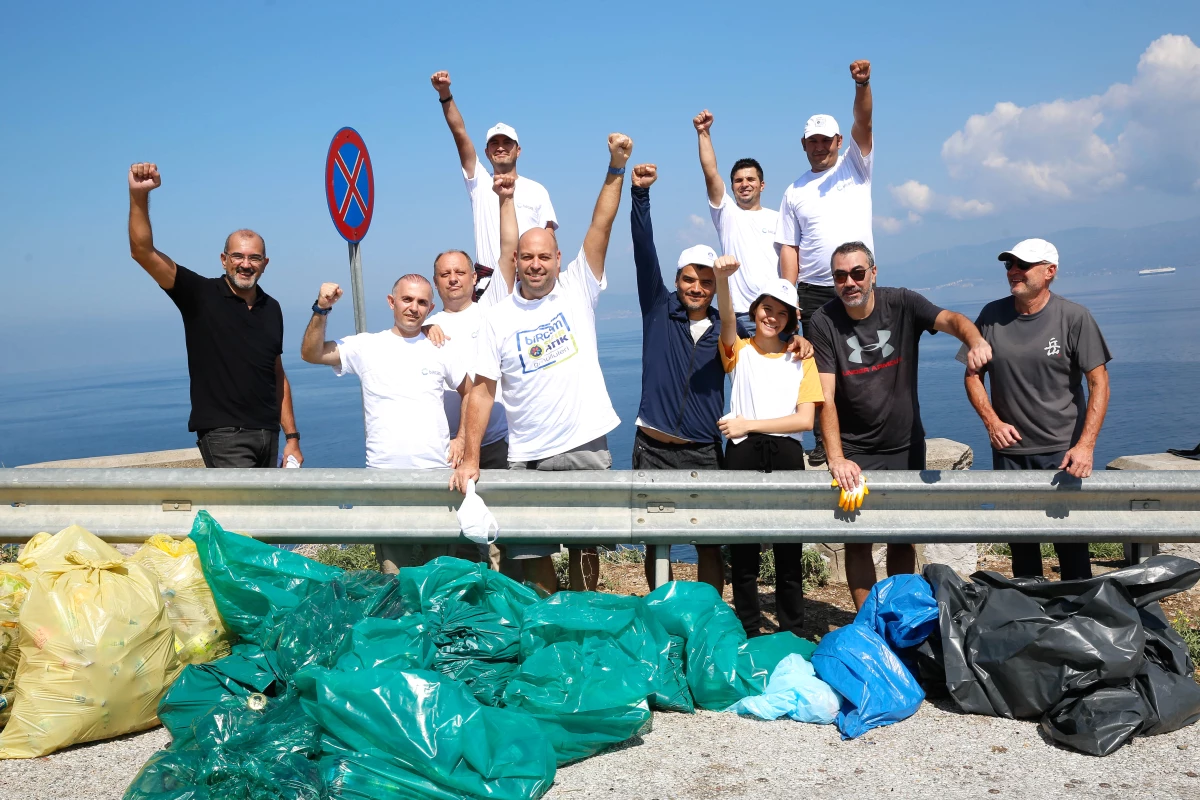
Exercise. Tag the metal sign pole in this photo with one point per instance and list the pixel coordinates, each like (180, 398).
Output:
(356, 289)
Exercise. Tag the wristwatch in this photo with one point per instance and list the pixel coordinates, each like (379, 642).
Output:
(324, 312)
(293, 435)
(616, 170)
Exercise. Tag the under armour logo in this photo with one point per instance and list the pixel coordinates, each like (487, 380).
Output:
(1052, 349)
(882, 346)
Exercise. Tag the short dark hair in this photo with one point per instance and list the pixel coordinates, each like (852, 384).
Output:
(743, 163)
(793, 317)
(847, 248)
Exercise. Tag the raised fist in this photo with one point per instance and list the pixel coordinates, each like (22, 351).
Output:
(441, 82)
(860, 70)
(329, 294)
(144, 177)
(703, 121)
(725, 266)
(504, 184)
(644, 175)
(620, 148)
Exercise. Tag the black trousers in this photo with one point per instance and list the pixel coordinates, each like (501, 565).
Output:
(766, 453)
(1074, 561)
(234, 448)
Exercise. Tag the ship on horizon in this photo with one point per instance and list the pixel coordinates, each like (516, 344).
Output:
(1156, 271)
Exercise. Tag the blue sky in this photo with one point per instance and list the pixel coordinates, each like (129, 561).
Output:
(237, 104)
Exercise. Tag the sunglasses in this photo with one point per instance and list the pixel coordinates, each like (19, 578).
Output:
(858, 274)
(1024, 266)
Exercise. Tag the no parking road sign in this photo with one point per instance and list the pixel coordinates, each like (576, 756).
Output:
(349, 185)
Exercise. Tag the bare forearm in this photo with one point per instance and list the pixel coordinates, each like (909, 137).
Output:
(708, 163)
(287, 418)
(831, 431)
(793, 423)
(595, 242)
(465, 392)
(462, 140)
(959, 327)
(789, 263)
(141, 236)
(477, 408)
(977, 395)
(729, 333)
(509, 236)
(312, 346)
(1097, 407)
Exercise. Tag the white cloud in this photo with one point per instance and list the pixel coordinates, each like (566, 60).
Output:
(917, 197)
(697, 221)
(1136, 134)
(960, 209)
(912, 195)
(889, 224)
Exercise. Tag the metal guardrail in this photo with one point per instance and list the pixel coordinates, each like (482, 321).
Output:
(625, 507)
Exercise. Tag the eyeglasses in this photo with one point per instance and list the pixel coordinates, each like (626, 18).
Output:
(1024, 266)
(858, 274)
(240, 258)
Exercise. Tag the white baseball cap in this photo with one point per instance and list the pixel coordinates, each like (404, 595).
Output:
(821, 125)
(500, 128)
(701, 255)
(1032, 251)
(782, 290)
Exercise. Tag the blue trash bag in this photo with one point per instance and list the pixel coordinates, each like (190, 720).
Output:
(876, 688)
(901, 609)
(795, 691)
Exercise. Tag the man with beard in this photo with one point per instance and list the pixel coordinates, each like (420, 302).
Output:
(403, 376)
(828, 205)
(234, 334)
(866, 345)
(532, 201)
(1043, 347)
(539, 345)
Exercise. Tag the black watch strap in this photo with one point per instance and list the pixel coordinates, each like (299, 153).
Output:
(324, 312)
(293, 435)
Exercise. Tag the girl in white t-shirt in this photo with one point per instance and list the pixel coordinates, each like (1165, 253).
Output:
(774, 398)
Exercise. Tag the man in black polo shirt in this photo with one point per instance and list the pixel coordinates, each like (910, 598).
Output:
(234, 334)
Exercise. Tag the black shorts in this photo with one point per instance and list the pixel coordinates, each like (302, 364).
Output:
(652, 454)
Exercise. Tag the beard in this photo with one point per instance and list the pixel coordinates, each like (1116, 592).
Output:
(861, 299)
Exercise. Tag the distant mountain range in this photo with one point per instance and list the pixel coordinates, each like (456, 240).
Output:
(1084, 251)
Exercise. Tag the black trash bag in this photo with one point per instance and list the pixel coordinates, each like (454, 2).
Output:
(1095, 659)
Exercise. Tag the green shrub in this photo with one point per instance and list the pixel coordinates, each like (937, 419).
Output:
(8, 552)
(1105, 551)
(348, 556)
(815, 570)
(623, 555)
(1189, 629)
(562, 569)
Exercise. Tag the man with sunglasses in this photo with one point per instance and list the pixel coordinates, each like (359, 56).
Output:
(234, 335)
(1043, 346)
(866, 344)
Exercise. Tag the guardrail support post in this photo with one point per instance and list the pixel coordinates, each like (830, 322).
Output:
(661, 553)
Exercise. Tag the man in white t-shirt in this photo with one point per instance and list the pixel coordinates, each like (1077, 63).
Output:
(829, 205)
(745, 228)
(540, 346)
(403, 377)
(502, 149)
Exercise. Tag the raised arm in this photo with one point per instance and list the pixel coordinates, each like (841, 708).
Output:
(708, 157)
(964, 330)
(651, 289)
(458, 128)
(1078, 460)
(863, 106)
(143, 179)
(313, 347)
(595, 242)
(504, 185)
(725, 266)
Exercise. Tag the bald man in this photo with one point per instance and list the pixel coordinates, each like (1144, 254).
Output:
(234, 333)
(539, 345)
(403, 377)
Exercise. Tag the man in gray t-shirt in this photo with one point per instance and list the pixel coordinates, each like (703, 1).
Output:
(1043, 347)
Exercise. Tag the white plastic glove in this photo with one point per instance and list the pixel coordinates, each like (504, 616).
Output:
(475, 520)
(852, 499)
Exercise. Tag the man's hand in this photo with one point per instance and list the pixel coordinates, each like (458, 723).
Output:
(1003, 435)
(1078, 461)
(860, 70)
(800, 348)
(328, 294)
(441, 82)
(504, 184)
(292, 448)
(979, 355)
(734, 427)
(144, 178)
(725, 266)
(620, 148)
(465, 471)
(644, 175)
(435, 335)
(703, 121)
(458, 449)
(845, 472)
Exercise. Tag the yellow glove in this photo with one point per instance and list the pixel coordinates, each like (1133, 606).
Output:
(852, 500)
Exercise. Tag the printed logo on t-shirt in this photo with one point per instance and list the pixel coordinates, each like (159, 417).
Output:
(1052, 349)
(882, 346)
(546, 345)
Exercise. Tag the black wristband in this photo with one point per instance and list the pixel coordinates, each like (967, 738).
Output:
(293, 435)
(446, 99)
(324, 312)
(864, 83)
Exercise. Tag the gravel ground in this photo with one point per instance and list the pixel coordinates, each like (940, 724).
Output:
(937, 753)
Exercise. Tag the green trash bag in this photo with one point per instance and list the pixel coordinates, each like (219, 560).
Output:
(486, 680)
(586, 696)
(445, 580)
(253, 584)
(424, 723)
(403, 643)
(364, 776)
(583, 617)
(722, 666)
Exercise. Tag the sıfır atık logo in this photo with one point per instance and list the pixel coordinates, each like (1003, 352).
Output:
(882, 346)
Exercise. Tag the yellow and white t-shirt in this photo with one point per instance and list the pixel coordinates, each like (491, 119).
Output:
(769, 385)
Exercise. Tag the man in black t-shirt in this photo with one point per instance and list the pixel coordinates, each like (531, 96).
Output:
(866, 348)
(234, 333)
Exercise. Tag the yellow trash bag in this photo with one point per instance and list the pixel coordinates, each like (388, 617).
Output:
(97, 649)
(13, 587)
(201, 635)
